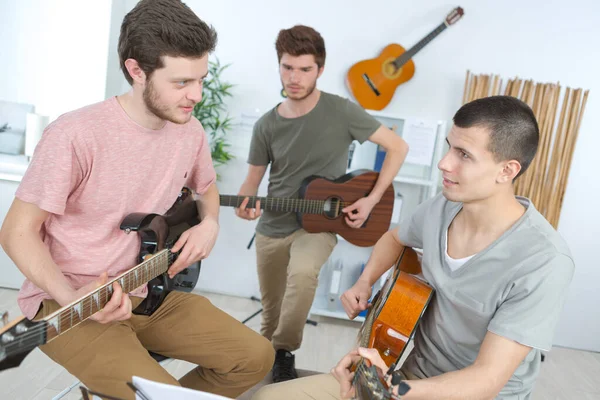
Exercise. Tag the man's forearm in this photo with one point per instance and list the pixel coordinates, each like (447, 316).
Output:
(471, 383)
(384, 255)
(248, 189)
(209, 203)
(33, 259)
(391, 165)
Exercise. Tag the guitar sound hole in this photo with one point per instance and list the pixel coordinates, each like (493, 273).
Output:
(332, 207)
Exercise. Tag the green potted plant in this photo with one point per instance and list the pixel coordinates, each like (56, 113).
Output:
(212, 112)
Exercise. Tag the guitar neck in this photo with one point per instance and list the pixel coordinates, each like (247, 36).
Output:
(77, 312)
(403, 59)
(276, 204)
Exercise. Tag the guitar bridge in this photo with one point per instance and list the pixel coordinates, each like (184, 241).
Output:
(371, 84)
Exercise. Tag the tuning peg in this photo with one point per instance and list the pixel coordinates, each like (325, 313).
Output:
(403, 388)
(396, 379)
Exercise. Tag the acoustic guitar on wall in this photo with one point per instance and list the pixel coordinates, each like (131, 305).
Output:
(373, 82)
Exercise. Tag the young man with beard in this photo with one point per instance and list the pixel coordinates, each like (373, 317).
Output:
(94, 166)
(309, 133)
(500, 271)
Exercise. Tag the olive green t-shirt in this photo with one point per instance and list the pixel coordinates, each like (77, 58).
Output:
(314, 144)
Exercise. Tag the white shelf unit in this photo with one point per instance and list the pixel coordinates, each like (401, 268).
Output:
(12, 169)
(426, 176)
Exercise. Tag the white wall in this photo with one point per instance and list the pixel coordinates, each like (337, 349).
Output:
(547, 41)
(53, 53)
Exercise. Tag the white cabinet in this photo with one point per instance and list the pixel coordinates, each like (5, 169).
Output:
(10, 276)
(12, 169)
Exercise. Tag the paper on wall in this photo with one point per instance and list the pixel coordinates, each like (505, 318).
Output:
(420, 136)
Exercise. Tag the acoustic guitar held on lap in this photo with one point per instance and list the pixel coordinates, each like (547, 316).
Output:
(373, 82)
(320, 203)
(390, 325)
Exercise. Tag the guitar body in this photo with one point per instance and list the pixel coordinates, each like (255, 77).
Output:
(384, 78)
(396, 310)
(157, 232)
(340, 192)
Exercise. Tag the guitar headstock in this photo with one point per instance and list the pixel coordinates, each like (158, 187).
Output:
(455, 15)
(18, 339)
(370, 385)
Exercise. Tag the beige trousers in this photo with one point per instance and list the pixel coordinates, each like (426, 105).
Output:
(230, 356)
(288, 272)
(315, 387)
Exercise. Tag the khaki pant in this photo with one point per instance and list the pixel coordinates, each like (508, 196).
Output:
(230, 356)
(288, 272)
(315, 387)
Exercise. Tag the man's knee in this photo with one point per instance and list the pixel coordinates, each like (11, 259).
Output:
(259, 356)
(303, 273)
(268, 392)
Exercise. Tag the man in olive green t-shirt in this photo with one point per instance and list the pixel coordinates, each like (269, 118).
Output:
(307, 134)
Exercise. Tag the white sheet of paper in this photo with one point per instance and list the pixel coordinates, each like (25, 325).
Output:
(396, 210)
(155, 391)
(420, 136)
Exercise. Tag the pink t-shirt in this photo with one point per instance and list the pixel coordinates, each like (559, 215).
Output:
(93, 167)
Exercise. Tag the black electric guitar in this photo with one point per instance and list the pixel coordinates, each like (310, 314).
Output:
(157, 233)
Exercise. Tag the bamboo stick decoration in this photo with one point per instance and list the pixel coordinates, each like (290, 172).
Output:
(544, 183)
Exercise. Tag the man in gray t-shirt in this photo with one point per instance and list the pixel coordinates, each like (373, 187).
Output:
(499, 270)
(307, 134)
(513, 288)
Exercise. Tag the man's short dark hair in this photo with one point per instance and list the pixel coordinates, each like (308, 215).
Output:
(300, 40)
(513, 128)
(157, 28)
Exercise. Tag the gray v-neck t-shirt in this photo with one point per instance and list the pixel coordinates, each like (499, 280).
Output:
(515, 288)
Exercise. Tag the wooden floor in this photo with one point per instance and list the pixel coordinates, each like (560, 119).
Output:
(566, 374)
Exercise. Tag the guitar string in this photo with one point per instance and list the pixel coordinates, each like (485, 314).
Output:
(64, 324)
(407, 55)
(362, 368)
(128, 279)
(295, 203)
(66, 317)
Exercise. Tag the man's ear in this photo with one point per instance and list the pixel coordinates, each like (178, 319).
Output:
(321, 69)
(510, 170)
(136, 73)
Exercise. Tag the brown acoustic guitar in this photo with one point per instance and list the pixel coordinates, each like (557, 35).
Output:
(391, 323)
(320, 203)
(373, 82)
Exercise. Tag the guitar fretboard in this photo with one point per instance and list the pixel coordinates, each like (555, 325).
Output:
(87, 306)
(277, 204)
(403, 59)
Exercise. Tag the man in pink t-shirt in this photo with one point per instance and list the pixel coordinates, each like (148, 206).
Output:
(94, 166)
